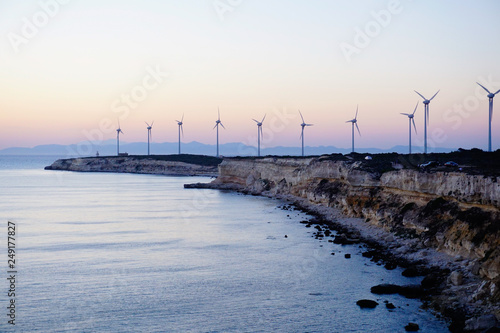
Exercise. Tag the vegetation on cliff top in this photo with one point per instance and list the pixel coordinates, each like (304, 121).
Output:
(202, 160)
(473, 161)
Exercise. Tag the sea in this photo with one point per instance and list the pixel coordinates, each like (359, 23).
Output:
(109, 252)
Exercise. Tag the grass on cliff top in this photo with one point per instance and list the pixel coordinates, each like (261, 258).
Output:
(202, 160)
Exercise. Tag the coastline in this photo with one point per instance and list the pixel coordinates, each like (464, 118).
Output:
(342, 198)
(418, 220)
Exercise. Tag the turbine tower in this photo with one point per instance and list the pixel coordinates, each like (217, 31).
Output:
(179, 123)
(354, 122)
(411, 120)
(426, 117)
(118, 131)
(302, 133)
(149, 133)
(490, 98)
(259, 133)
(217, 123)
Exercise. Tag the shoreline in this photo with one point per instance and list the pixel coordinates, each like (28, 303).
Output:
(440, 294)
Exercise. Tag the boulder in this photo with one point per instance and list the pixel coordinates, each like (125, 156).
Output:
(481, 323)
(390, 306)
(385, 289)
(366, 303)
(456, 278)
(412, 327)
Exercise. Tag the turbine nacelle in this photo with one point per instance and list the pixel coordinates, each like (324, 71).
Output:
(427, 101)
(490, 94)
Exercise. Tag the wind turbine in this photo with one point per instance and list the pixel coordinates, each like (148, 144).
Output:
(217, 123)
(259, 133)
(118, 131)
(411, 120)
(490, 98)
(149, 133)
(426, 117)
(354, 122)
(302, 133)
(179, 123)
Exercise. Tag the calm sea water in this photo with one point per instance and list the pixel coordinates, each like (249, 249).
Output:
(102, 252)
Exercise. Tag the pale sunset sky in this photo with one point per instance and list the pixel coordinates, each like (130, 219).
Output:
(71, 69)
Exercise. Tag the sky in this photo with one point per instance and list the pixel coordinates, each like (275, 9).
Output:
(72, 69)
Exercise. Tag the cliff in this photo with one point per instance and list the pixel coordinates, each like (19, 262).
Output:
(447, 210)
(172, 165)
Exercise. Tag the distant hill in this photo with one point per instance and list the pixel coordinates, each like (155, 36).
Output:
(108, 148)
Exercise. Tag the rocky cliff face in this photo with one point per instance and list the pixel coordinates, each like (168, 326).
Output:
(133, 165)
(453, 212)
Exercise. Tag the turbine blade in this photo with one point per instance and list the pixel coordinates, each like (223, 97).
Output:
(309, 124)
(435, 95)
(222, 126)
(301, 117)
(255, 120)
(484, 88)
(416, 106)
(215, 125)
(301, 133)
(261, 133)
(263, 118)
(147, 124)
(218, 113)
(497, 92)
(415, 127)
(152, 123)
(406, 114)
(356, 117)
(420, 94)
(182, 131)
(357, 128)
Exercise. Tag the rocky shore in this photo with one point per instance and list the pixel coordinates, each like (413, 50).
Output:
(441, 224)
(169, 165)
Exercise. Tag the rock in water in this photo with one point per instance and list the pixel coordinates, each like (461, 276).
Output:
(412, 327)
(385, 289)
(390, 306)
(366, 303)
